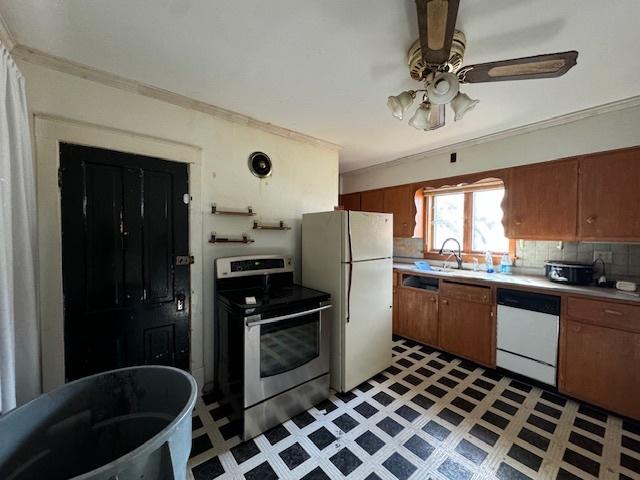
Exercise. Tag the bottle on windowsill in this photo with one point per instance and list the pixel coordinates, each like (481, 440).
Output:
(505, 264)
(488, 262)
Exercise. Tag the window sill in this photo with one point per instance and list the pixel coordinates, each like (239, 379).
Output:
(466, 257)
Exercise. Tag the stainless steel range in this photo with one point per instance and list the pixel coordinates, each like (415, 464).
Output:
(272, 341)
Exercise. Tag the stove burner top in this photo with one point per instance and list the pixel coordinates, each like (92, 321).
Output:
(272, 296)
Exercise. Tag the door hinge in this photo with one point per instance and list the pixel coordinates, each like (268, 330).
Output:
(185, 260)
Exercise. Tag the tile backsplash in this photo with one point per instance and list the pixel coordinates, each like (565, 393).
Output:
(408, 247)
(531, 255)
(625, 258)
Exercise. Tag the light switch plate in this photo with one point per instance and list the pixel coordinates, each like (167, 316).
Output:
(607, 257)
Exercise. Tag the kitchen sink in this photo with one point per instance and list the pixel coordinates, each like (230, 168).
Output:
(455, 271)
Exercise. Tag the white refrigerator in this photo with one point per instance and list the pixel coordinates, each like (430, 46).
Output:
(349, 254)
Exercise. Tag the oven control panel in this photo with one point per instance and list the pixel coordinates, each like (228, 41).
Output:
(259, 264)
(252, 265)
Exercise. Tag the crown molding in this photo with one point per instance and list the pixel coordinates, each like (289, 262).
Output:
(64, 65)
(6, 37)
(531, 127)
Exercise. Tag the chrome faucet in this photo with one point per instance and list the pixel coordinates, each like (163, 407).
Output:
(458, 256)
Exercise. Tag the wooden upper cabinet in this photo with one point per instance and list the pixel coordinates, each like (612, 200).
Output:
(592, 198)
(400, 202)
(542, 201)
(610, 196)
(372, 201)
(350, 201)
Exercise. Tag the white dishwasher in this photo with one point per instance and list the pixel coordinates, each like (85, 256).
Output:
(528, 325)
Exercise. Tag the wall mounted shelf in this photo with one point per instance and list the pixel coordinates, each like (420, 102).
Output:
(248, 213)
(230, 239)
(279, 226)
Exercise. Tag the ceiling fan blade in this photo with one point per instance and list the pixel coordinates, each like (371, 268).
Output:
(538, 66)
(436, 24)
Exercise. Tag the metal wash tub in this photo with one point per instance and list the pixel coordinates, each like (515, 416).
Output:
(124, 424)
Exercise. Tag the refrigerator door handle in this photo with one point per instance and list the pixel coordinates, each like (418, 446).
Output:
(350, 266)
(349, 292)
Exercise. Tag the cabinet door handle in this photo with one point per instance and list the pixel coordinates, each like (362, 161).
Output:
(518, 222)
(591, 220)
(434, 299)
(613, 312)
(445, 302)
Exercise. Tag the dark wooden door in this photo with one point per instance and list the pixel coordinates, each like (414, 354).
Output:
(542, 201)
(124, 223)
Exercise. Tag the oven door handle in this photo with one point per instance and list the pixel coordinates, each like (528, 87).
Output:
(286, 317)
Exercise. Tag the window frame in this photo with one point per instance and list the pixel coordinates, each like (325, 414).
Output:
(431, 251)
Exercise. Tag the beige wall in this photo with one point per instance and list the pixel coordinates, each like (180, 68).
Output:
(305, 177)
(601, 132)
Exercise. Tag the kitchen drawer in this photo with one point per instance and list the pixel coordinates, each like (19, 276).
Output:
(615, 315)
(468, 293)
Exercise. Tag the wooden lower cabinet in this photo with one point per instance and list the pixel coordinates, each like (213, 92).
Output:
(467, 329)
(600, 365)
(418, 315)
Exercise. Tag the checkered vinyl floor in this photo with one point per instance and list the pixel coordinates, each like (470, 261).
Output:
(429, 416)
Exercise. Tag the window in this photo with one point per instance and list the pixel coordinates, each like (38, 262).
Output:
(472, 215)
(486, 222)
(448, 217)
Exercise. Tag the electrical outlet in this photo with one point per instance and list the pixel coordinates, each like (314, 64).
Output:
(607, 257)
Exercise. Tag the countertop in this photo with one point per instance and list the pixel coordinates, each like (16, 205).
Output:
(518, 280)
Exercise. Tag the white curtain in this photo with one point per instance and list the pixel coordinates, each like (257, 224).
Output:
(19, 340)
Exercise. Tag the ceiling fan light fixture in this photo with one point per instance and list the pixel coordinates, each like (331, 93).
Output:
(461, 104)
(399, 104)
(436, 60)
(443, 88)
(422, 119)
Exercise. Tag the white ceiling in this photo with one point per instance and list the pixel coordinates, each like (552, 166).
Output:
(325, 67)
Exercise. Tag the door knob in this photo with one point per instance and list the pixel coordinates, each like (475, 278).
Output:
(591, 220)
(180, 300)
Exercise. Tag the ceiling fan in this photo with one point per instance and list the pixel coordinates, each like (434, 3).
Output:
(436, 59)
